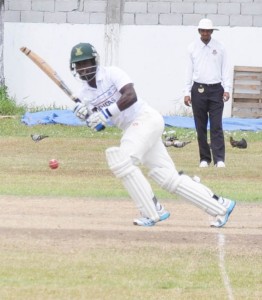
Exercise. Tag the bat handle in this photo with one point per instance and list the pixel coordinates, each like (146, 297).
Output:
(100, 127)
(76, 100)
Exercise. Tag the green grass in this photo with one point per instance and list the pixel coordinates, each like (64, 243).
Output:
(141, 273)
(83, 166)
(55, 266)
(110, 275)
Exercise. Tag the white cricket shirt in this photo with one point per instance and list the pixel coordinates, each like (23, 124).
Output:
(207, 64)
(109, 81)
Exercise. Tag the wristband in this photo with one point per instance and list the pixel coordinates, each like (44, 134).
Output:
(113, 110)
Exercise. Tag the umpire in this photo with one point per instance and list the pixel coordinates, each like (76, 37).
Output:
(208, 81)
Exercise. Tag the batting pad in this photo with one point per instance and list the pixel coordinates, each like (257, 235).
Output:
(134, 181)
(185, 186)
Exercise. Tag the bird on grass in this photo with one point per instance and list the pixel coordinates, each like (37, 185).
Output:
(242, 144)
(179, 144)
(176, 143)
(38, 137)
(173, 141)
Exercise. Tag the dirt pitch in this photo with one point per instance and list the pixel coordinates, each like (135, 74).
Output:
(77, 223)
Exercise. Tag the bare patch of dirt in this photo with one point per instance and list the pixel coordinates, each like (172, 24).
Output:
(75, 224)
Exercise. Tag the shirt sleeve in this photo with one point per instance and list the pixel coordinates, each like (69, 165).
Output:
(189, 73)
(119, 77)
(226, 78)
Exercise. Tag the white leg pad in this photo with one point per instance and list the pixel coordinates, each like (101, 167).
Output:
(185, 186)
(133, 180)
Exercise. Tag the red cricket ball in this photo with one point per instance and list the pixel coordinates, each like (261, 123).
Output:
(53, 164)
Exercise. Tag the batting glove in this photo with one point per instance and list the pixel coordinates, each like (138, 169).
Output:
(82, 111)
(97, 121)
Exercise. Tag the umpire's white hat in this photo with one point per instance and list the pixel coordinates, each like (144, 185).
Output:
(206, 24)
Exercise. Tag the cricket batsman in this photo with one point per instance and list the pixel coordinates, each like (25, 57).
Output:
(108, 94)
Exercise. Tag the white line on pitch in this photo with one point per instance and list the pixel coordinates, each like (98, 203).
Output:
(221, 249)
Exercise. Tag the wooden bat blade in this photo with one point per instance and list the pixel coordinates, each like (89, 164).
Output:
(49, 71)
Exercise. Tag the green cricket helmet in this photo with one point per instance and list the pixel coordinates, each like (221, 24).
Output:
(82, 51)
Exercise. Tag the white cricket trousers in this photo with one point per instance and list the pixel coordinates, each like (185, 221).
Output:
(142, 141)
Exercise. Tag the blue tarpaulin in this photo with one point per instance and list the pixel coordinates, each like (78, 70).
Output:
(229, 124)
(67, 117)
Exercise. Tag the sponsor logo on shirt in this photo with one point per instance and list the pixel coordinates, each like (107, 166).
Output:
(107, 98)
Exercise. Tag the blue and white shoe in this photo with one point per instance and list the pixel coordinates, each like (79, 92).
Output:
(163, 215)
(146, 222)
(222, 220)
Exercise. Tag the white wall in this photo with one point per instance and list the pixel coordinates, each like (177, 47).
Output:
(154, 57)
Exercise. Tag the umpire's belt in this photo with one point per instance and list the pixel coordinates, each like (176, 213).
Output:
(205, 84)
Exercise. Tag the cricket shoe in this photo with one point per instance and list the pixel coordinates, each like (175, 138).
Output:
(163, 214)
(203, 164)
(147, 222)
(220, 221)
(220, 164)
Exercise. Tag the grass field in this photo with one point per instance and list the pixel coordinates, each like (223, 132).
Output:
(68, 233)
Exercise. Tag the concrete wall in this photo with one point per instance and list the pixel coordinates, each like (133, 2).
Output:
(148, 39)
(136, 12)
(2, 81)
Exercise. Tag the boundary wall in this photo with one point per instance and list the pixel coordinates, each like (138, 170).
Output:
(148, 39)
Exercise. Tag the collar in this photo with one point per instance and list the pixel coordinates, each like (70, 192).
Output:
(202, 44)
(98, 73)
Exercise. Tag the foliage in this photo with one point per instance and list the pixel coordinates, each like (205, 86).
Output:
(8, 105)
